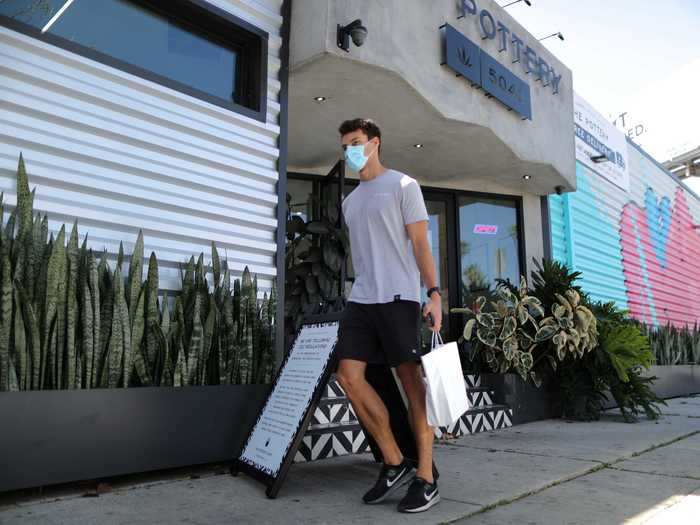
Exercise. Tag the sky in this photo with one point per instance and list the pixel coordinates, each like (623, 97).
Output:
(641, 57)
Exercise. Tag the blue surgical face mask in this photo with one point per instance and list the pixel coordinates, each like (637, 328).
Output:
(355, 157)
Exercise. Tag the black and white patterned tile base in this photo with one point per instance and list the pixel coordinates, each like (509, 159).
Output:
(333, 410)
(479, 396)
(335, 430)
(330, 443)
(472, 381)
(476, 420)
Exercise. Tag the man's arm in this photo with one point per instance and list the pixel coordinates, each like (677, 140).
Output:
(418, 233)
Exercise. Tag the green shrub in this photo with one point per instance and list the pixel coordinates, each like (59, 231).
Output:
(595, 350)
(317, 263)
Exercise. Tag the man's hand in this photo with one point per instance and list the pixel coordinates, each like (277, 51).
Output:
(434, 307)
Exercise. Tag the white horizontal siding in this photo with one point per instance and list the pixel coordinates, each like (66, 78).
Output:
(120, 153)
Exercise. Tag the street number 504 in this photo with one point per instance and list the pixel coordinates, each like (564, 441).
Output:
(502, 82)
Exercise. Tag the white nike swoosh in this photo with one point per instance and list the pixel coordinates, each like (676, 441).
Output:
(430, 496)
(390, 484)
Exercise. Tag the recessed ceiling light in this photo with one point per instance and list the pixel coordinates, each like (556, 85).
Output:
(320, 99)
(527, 177)
(418, 146)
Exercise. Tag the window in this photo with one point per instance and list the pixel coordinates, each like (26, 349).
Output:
(163, 41)
(489, 244)
(301, 193)
(437, 207)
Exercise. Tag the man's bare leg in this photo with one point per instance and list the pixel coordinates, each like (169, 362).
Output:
(412, 382)
(369, 408)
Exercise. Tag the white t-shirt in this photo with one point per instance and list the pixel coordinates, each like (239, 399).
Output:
(376, 213)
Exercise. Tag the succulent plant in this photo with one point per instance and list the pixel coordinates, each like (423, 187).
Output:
(672, 345)
(67, 321)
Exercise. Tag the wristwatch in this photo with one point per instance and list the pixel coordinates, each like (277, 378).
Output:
(434, 289)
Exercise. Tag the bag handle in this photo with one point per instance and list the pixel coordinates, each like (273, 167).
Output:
(436, 340)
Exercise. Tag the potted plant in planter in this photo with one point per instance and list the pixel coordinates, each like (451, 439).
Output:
(677, 358)
(585, 351)
(96, 363)
(522, 334)
(614, 374)
(317, 259)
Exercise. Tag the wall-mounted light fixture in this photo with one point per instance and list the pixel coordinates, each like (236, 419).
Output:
(557, 34)
(354, 30)
(599, 158)
(527, 2)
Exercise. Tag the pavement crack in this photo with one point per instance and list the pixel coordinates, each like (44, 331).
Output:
(566, 479)
(680, 415)
(508, 501)
(526, 453)
(657, 446)
(679, 476)
(461, 501)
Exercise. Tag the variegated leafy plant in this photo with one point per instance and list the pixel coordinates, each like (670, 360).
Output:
(515, 335)
(575, 327)
(68, 321)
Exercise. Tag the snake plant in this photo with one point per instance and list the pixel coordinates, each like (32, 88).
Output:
(68, 321)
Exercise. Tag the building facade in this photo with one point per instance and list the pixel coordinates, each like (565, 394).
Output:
(150, 115)
(178, 131)
(632, 228)
(123, 142)
(469, 104)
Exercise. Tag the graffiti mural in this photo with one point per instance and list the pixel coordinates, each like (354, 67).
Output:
(661, 260)
(636, 246)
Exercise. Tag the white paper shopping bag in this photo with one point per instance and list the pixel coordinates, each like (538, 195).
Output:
(446, 394)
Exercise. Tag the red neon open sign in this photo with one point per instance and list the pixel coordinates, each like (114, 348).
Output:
(485, 229)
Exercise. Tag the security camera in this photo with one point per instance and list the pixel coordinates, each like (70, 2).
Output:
(559, 189)
(354, 30)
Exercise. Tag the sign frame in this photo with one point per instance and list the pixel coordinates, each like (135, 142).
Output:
(599, 145)
(274, 483)
(483, 71)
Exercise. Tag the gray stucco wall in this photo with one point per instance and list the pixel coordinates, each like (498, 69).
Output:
(404, 38)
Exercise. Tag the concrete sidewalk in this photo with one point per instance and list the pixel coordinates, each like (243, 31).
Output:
(549, 472)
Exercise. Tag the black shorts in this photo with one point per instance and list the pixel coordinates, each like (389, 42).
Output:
(380, 333)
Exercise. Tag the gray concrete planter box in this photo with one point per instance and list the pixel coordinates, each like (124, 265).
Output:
(672, 381)
(57, 436)
(675, 380)
(528, 402)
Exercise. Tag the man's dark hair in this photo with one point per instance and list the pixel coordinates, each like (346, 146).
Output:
(367, 126)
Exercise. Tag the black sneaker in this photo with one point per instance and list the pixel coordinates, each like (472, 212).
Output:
(391, 477)
(421, 496)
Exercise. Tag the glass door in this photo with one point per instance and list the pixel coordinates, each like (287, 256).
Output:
(440, 210)
(489, 244)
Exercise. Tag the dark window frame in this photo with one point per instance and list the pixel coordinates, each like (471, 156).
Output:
(203, 19)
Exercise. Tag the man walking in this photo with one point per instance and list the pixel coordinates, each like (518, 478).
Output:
(388, 225)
